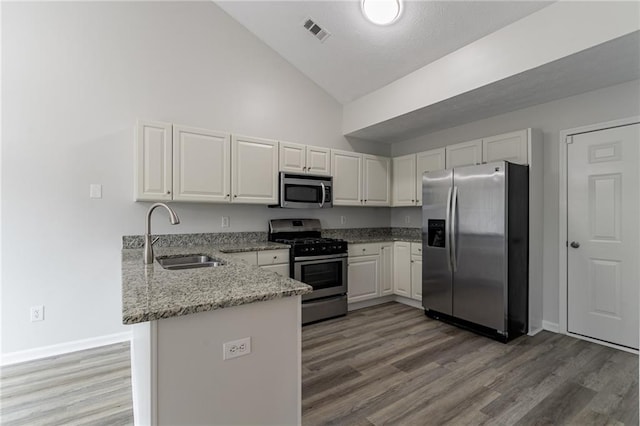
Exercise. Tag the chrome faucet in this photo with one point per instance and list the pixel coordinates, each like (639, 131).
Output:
(148, 244)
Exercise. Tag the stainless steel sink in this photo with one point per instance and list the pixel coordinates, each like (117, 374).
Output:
(188, 261)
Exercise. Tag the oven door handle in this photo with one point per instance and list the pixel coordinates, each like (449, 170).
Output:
(323, 194)
(317, 259)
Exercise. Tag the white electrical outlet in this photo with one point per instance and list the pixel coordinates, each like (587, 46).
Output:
(236, 348)
(407, 219)
(37, 313)
(95, 190)
(343, 220)
(225, 221)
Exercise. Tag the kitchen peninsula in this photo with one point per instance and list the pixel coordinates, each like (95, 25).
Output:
(182, 318)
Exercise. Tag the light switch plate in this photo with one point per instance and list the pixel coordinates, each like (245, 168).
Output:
(95, 190)
(225, 221)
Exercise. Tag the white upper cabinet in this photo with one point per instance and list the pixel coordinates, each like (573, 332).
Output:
(201, 165)
(376, 180)
(299, 158)
(318, 160)
(404, 180)
(254, 170)
(464, 154)
(346, 168)
(292, 157)
(153, 175)
(428, 161)
(509, 147)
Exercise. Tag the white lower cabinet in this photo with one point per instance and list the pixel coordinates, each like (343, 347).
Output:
(271, 260)
(416, 278)
(282, 269)
(402, 268)
(364, 272)
(364, 278)
(386, 269)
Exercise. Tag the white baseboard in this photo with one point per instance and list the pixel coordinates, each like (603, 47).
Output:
(63, 348)
(409, 302)
(551, 326)
(372, 302)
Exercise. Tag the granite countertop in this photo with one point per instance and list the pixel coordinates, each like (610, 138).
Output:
(252, 246)
(377, 239)
(150, 292)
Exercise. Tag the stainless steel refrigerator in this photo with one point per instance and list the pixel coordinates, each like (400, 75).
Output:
(475, 247)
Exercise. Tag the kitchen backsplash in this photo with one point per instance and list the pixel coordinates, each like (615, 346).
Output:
(229, 238)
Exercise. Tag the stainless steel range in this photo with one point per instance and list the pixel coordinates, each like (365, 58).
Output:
(318, 262)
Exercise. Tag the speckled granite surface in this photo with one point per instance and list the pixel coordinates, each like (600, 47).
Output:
(374, 235)
(150, 292)
(193, 240)
(251, 246)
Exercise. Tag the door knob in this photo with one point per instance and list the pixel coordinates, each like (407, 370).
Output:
(575, 244)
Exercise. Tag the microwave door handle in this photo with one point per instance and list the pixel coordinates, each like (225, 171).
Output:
(323, 194)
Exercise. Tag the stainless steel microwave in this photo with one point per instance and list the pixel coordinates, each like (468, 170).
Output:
(302, 191)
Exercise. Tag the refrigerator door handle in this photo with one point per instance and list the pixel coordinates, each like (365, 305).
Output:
(454, 225)
(448, 229)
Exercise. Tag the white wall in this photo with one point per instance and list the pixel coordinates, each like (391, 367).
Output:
(75, 78)
(602, 105)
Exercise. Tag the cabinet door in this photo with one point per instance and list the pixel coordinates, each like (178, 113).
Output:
(386, 269)
(249, 257)
(363, 278)
(153, 174)
(464, 154)
(508, 147)
(404, 181)
(428, 161)
(376, 180)
(282, 269)
(346, 169)
(318, 160)
(201, 163)
(292, 157)
(254, 171)
(402, 268)
(416, 278)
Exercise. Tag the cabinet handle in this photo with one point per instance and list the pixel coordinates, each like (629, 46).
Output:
(413, 261)
(275, 257)
(226, 196)
(168, 192)
(235, 196)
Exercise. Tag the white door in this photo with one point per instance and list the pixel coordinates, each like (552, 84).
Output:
(318, 160)
(416, 278)
(404, 180)
(402, 268)
(603, 235)
(464, 154)
(153, 174)
(346, 168)
(254, 171)
(292, 157)
(427, 161)
(363, 278)
(376, 180)
(386, 269)
(201, 162)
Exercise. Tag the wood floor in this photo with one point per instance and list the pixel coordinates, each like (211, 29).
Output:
(91, 387)
(390, 364)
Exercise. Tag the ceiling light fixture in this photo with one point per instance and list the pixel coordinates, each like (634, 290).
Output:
(381, 12)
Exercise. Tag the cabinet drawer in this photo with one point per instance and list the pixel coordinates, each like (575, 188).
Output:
(246, 257)
(416, 249)
(273, 257)
(364, 249)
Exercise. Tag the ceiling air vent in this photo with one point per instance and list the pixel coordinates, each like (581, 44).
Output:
(315, 29)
